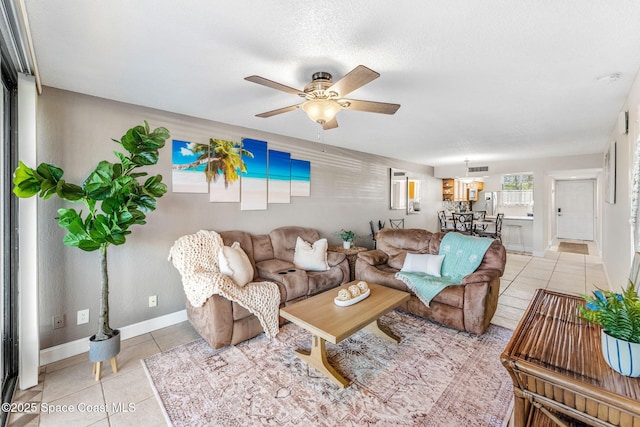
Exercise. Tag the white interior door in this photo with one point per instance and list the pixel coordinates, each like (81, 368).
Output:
(575, 209)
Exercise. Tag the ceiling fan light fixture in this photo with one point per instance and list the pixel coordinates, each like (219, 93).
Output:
(323, 98)
(321, 110)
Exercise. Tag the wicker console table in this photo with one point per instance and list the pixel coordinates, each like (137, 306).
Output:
(559, 374)
(352, 254)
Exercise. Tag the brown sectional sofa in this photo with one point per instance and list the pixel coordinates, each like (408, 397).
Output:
(468, 306)
(222, 322)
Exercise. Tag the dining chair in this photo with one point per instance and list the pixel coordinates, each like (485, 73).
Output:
(396, 223)
(497, 232)
(479, 215)
(463, 222)
(443, 222)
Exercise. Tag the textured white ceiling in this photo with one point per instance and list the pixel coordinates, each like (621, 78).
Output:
(483, 80)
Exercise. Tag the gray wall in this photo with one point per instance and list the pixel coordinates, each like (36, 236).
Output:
(74, 131)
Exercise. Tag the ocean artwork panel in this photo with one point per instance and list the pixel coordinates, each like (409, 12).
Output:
(279, 178)
(300, 177)
(187, 167)
(253, 188)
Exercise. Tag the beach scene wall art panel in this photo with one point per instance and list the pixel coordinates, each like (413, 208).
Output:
(300, 177)
(253, 189)
(279, 177)
(224, 168)
(189, 160)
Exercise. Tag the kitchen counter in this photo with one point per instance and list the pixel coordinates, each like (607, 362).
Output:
(517, 232)
(515, 218)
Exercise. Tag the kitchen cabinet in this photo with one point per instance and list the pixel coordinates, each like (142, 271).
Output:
(477, 185)
(448, 185)
(460, 191)
(455, 190)
(473, 190)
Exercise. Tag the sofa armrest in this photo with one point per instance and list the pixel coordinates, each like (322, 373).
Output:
(374, 257)
(335, 258)
(480, 299)
(213, 321)
(481, 276)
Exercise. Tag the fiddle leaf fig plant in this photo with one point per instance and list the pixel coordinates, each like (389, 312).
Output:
(113, 195)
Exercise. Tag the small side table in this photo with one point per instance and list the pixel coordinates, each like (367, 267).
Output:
(558, 372)
(352, 254)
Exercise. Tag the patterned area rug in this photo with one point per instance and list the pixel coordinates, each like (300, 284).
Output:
(574, 248)
(435, 377)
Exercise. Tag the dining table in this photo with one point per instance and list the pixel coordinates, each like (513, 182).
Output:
(478, 224)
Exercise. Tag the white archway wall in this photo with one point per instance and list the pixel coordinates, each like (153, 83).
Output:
(617, 236)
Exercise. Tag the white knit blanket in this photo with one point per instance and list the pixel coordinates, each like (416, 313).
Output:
(196, 258)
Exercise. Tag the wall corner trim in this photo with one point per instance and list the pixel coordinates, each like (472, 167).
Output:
(72, 348)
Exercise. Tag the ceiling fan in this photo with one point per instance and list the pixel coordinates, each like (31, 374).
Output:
(324, 99)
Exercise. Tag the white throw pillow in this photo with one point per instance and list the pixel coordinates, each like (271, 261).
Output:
(235, 263)
(423, 263)
(311, 257)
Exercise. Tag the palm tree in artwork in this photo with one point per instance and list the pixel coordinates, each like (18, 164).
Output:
(226, 160)
(220, 157)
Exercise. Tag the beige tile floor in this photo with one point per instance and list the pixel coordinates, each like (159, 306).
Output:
(69, 382)
(559, 271)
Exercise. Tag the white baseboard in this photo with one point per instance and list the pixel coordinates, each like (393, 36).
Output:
(62, 351)
(517, 247)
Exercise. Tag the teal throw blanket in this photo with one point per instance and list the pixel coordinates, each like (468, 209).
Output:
(462, 256)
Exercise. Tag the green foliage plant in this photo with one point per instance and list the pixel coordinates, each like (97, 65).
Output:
(113, 196)
(617, 313)
(346, 235)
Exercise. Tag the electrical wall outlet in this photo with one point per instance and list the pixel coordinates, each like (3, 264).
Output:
(153, 301)
(58, 321)
(83, 316)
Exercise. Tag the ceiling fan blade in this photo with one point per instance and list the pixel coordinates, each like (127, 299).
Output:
(356, 78)
(371, 106)
(331, 124)
(274, 85)
(278, 111)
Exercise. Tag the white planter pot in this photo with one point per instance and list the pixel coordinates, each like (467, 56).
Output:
(346, 245)
(622, 356)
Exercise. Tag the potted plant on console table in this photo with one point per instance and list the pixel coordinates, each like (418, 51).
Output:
(114, 200)
(619, 317)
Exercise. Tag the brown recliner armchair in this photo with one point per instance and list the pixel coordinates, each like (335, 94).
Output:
(468, 306)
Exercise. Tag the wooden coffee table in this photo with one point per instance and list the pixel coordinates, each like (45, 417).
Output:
(329, 322)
